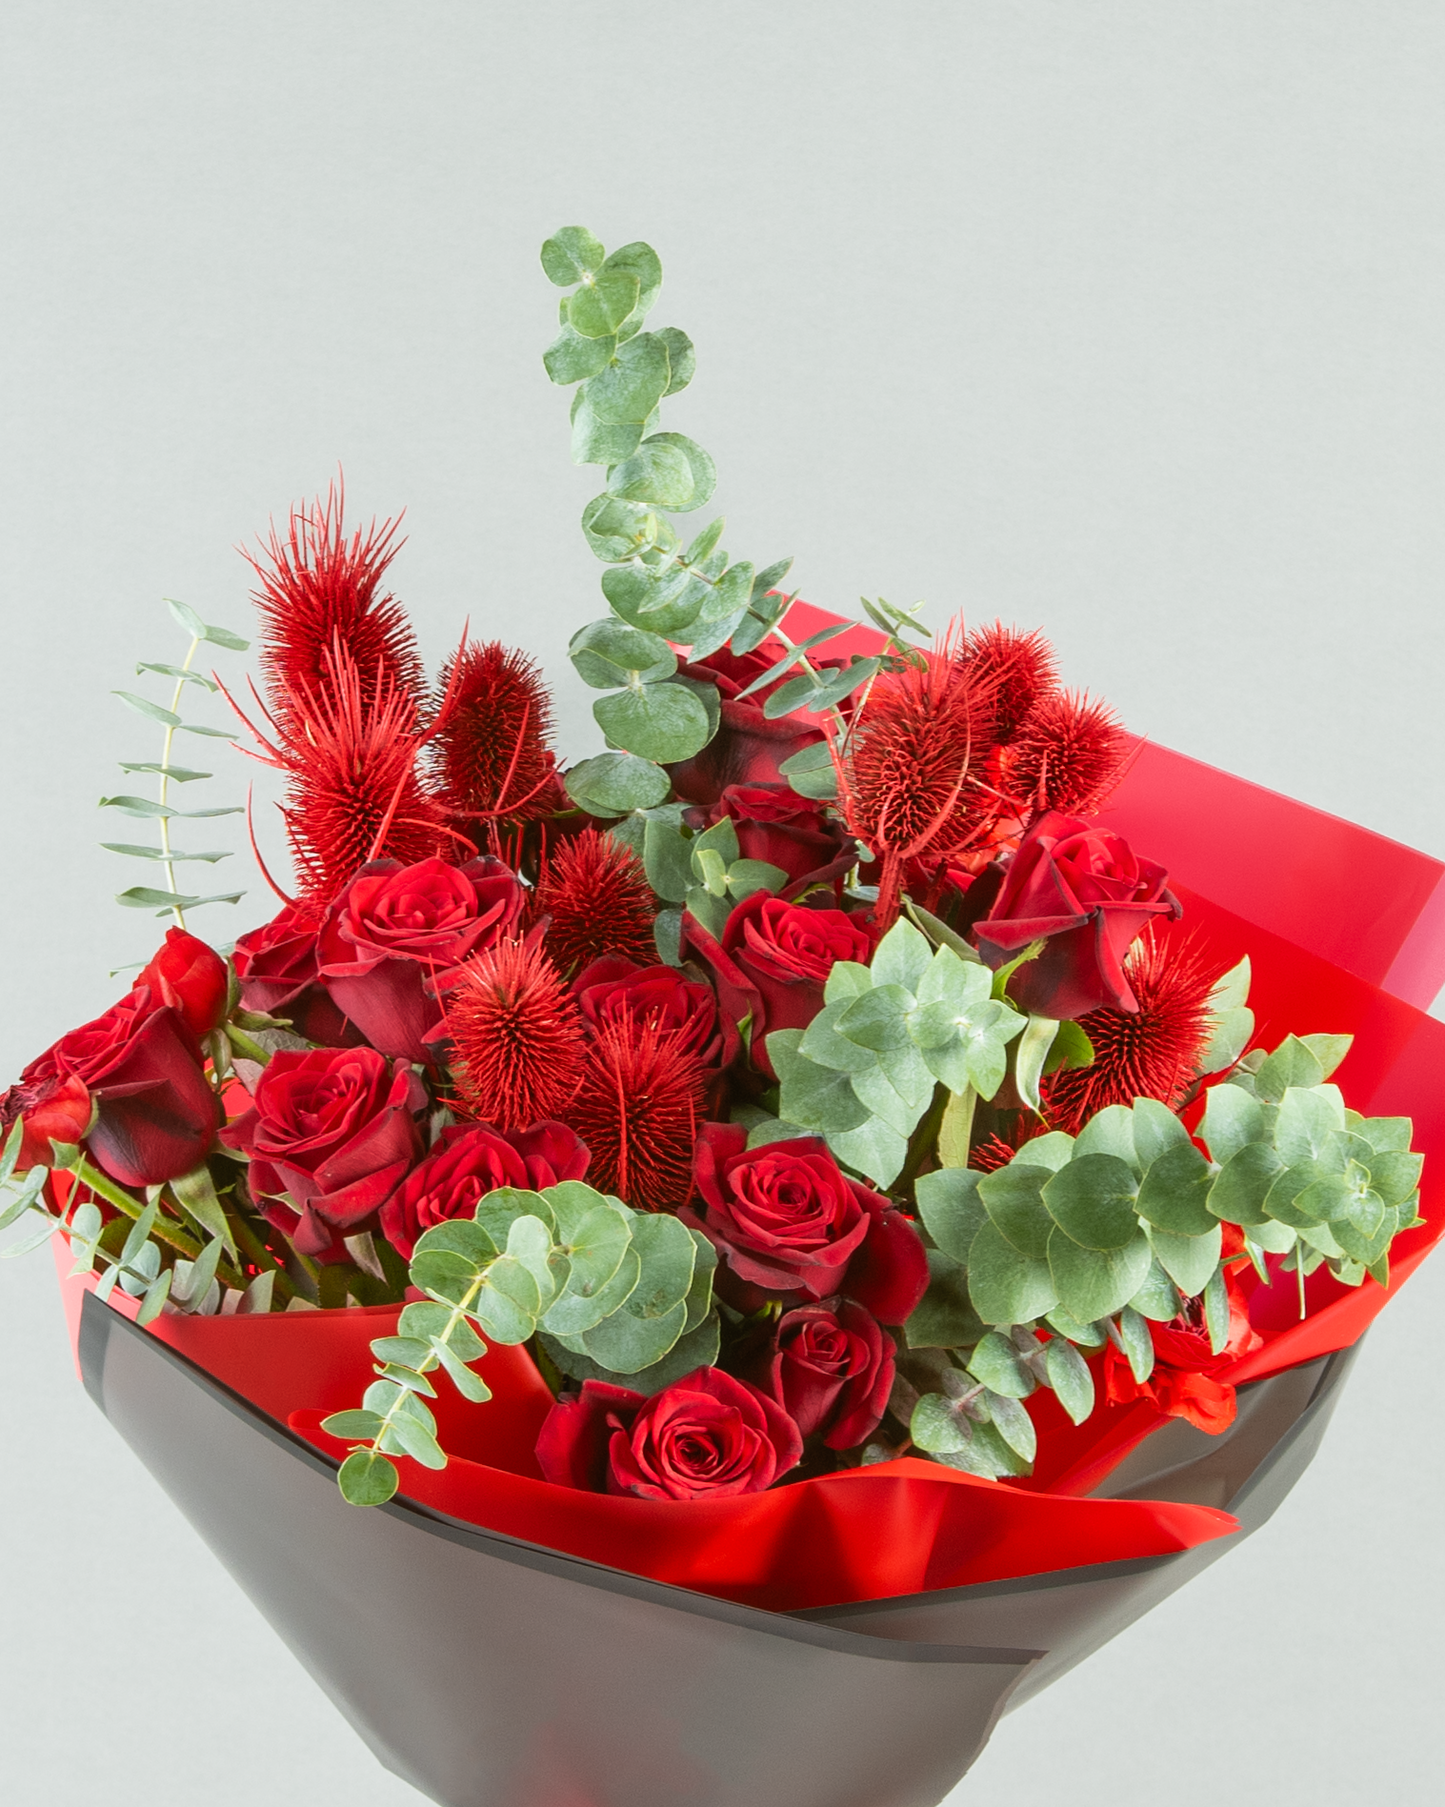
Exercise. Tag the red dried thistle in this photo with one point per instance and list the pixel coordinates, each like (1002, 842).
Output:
(1151, 1053)
(1069, 754)
(318, 589)
(516, 1035)
(908, 774)
(637, 1110)
(1021, 668)
(491, 759)
(597, 895)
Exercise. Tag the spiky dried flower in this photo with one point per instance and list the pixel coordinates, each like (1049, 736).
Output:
(1020, 668)
(490, 756)
(637, 1109)
(516, 1036)
(1069, 754)
(1153, 1052)
(597, 895)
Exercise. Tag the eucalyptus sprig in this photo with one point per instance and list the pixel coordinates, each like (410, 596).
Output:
(160, 810)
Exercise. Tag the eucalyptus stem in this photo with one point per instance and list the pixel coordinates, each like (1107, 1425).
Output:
(428, 1363)
(113, 1194)
(165, 785)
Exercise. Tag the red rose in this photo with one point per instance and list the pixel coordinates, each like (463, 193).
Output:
(468, 1161)
(191, 978)
(775, 824)
(747, 748)
(335, 1130)
(706, 1436)
(139, 1069)
(772, 963)
(615, 987)
(276, 965)
(787, 1220)
(1183, 1382)
(830, 1367)
(1083, 893)
(395, 929)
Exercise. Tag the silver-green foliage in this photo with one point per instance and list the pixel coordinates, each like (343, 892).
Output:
(1096, 1235)
(612, 1291)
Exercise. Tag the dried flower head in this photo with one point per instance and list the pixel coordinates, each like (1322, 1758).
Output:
(516, 1036)
(596, 893)
(637, 1110)
(490, 755)
(1020, 668)
(1069, 754)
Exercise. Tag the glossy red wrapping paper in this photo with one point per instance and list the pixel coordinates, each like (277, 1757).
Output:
(1346, 933)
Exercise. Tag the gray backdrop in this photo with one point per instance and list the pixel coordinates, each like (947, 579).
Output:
(1122, 319)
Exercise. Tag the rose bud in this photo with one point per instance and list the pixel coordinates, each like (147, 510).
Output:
(139, 1069)
(276, 965)
(334, 1131)
(469, 1160)
(191, 978)
(747, 748)
(830, 1367)
(615, 987)
(772, 963)
(788, 1221)
(705, 1436)
(396, 929)
(773, 823)
(1083, 893)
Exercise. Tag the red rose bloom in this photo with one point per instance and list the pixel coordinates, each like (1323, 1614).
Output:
(1083, 893)
(706, 1436)
(469, 1160)
(335, 1130)
(276, 965)
(139, 1070)
(747, 748)
(615, 987)
(395, 929)
(830, 1367)
(1183, 1382)
(775, 824)
(787, 1220)
(772, 963)
(191, 978)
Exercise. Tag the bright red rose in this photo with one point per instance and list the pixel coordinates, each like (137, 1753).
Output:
(469, 1160)
(705, 1436)
(191, 978)
(775, 824)
(396, 929)
(747, 748)
(139, 1070)
(772, 963)
(1184, 1383)
(335, 1132)
(1083, 893)
(276, 965)
(615, 987)
(788, 1221)
(830, 1367)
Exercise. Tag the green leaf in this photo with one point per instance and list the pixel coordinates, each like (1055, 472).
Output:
(602, 442)
(213, 734)
(938, 1426)
(600, 306)
(667, 1251)
(1307, 1121)
(144, 706)
(1005, 1286)
(179, 773)
(142, 897)
(944, 1318)
(1013, 1198)
(1175, 1192)
(367, 1479)
(14, 1140)
(573, 1314)
(1232, 1119)
(426, 1321)
(876, 1020)
(811, 772)
(1291, 1064)
(1395, 1175)
(1328, 1050)
(667, 936)
(471, 1386)
(1243, 1183)
(1233, 1032)
(170, 855)
(197, 1193)
(358, 1426)
(657, 597)
(902, 958)
(898, 1090)
(1069, 1376)
(614, 784)
(608, 653)
(1158, 1298)
(999, 1366)
(186, 617)
(28, 1243)
(1033, 1051)
(667, 470)
(1110, 1131)
(696, 1348)
(813, 1097)
(144, 806)
(572, 359)
(617, 530)
(952, 1210)
(1013, 1424)
(572, 255)
(1093, 1201)
(682, 360)
(1072, 1048)
(631, 385)
(1156, 1130)
(746, 876)
(1188, 1260)
(639, 260)
(418, 1442)
(1136, 1343)
(626, 1343)
(1216, 1311)
(1095, 1283)
(178, 671)
(665, 722)
(872, 1149)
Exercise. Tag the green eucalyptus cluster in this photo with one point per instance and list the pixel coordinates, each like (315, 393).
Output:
(608, 1291)
(1092, 1237)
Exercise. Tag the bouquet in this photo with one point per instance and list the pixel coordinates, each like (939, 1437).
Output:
(806, 1164)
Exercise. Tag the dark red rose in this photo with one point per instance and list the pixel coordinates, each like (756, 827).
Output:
(468, 1161)
(747, 748)
(1083, 893)
(396, 929)
(830, 1367)
(772, 963)
(335, 1131)
(276, 965)
(775, 824)
(788, 1221)
(191, 978)
(1184, 1382)
(705, 1436)
(139, 1069)
(615, 987)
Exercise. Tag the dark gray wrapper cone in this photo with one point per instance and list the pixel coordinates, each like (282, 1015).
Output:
(489, 1672)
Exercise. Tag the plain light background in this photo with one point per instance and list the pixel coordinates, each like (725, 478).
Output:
(1120, 319)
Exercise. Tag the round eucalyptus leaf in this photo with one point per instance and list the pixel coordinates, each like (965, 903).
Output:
(681, 356)
(1095, 1283)
(639, 260)
(1093, 1201)
(614, 784)
(599, 307)
(662, 721)
(658, 475)
(571, 359)
(1013, 1198)
(1005, 1286)
(597, 441)
(367, 1479)
(1188, 1260)
(570, 255)
(1175, 1192)
(609, 653)
(617, 530)
(631, 384)
(662, 602)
